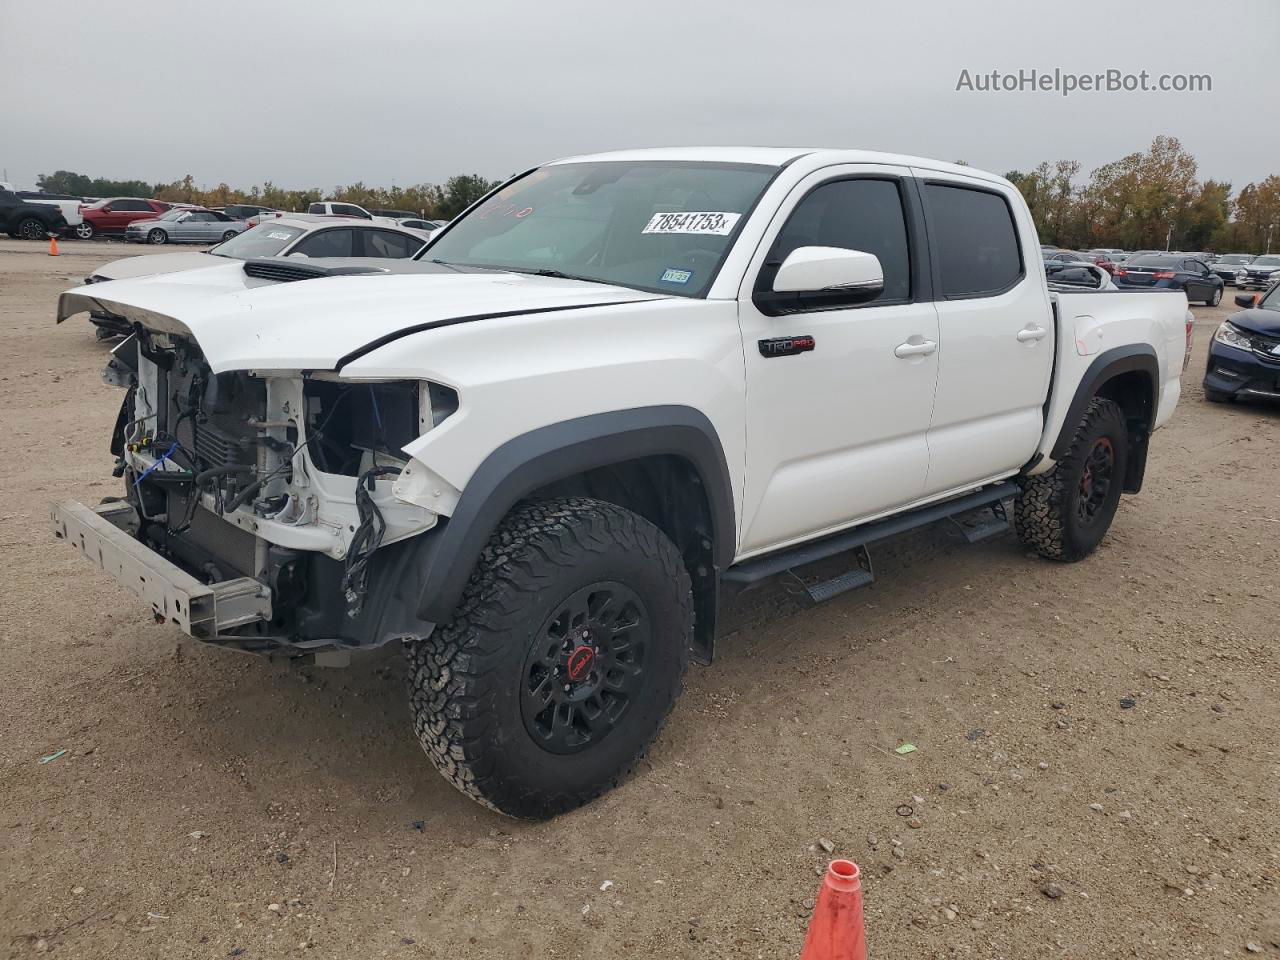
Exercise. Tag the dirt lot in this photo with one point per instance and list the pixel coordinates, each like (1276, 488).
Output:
(213, 805)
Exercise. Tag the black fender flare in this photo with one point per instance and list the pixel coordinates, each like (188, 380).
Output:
(1107, 366)
(558, 451)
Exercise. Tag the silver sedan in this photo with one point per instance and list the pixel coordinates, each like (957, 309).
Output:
(185, 226)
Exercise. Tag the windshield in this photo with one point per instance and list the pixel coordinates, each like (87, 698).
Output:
(174, 215)
(264, 240)
(660, 226)
(1235, 258)
(1266, 262)
(1153, 262)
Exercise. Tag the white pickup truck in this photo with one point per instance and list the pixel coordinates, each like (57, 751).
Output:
(615, 390)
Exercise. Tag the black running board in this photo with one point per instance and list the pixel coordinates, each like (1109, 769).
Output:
(751, 573)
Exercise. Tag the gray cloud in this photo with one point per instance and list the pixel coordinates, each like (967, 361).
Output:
(327, 92)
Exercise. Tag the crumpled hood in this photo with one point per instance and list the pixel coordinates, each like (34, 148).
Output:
(131, 267)
(243, 323)
(1258, 320)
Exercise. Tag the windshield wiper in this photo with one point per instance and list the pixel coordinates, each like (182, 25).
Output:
(555, 274)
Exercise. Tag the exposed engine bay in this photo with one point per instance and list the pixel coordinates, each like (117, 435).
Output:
(287, 478)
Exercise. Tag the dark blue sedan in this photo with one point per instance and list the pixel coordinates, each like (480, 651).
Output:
(1172, 271)
(1244, 356)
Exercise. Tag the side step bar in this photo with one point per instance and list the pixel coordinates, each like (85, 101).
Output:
(753, 572)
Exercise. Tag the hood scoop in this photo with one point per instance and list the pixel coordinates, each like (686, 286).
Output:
(283, 270)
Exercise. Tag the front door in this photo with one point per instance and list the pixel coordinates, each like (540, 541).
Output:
(839, 400)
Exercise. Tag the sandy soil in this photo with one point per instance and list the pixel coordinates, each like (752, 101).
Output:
(214, 805)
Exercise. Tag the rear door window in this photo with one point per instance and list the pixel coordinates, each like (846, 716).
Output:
(975, 239)
(387, 243)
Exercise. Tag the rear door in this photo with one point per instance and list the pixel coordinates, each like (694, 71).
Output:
(996, 332)
(838, 399)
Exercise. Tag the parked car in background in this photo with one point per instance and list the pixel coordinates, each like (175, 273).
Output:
(329, 208)
(1227, 265)
(243, 211)
(1259, 272)
(427, 226)
(26, 220)
(185, 226)
(285, 236)
(1172, 271)
(1244, 355)
(1102, 260)
(1061, 256)
(69, 206)
(111, 217)
(396, 214)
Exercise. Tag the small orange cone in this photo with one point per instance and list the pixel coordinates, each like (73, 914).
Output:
(836, 931)
(53, 246)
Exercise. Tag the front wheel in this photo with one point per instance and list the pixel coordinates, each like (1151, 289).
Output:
(84, 230)
(32, 229)
(1065, 513)
(562, 661)
(157, 236)
(1215, 298)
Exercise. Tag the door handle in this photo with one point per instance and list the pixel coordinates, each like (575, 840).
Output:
(1032, 333)
(906, 350)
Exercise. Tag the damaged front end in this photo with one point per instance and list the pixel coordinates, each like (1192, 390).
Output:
(263, 510)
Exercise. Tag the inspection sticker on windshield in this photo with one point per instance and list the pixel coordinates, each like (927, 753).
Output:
(712, 224)
(672, 275)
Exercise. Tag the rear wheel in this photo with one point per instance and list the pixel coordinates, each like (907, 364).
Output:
(157, 236)
(84, 230)
(228, 235)
(1065, 513)
(32, 229)
(562, 661)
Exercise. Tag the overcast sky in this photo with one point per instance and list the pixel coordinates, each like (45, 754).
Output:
(323, 92)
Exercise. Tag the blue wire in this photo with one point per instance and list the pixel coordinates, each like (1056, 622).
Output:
(161, 459)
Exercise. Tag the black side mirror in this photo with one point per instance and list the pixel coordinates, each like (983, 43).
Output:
(1245, 300)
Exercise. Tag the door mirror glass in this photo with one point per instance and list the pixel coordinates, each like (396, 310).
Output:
(852, 273)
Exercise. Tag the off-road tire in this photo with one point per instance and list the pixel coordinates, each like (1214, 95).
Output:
(468, 679)
(1047, 515)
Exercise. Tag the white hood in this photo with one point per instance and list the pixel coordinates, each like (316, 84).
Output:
(245, 323)
(147, 266)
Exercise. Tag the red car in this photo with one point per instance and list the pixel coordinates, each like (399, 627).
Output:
(1102, 260)
(112, 216)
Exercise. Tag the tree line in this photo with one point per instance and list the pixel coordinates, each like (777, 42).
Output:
(433, 201)
(1150, 199)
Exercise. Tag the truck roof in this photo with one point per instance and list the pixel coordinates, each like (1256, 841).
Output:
(777, 156)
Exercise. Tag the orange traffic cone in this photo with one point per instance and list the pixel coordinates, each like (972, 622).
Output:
(836, 931)
(53, 246)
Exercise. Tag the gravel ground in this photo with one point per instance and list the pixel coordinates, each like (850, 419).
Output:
(1096, 773)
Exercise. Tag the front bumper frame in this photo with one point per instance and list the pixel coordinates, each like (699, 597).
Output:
(104, 535)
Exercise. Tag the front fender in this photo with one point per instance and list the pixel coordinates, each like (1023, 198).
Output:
(556, 452)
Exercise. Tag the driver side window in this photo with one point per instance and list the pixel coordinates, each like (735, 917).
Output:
(859, 214)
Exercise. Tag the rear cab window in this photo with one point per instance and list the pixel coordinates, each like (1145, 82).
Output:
(976, 241)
